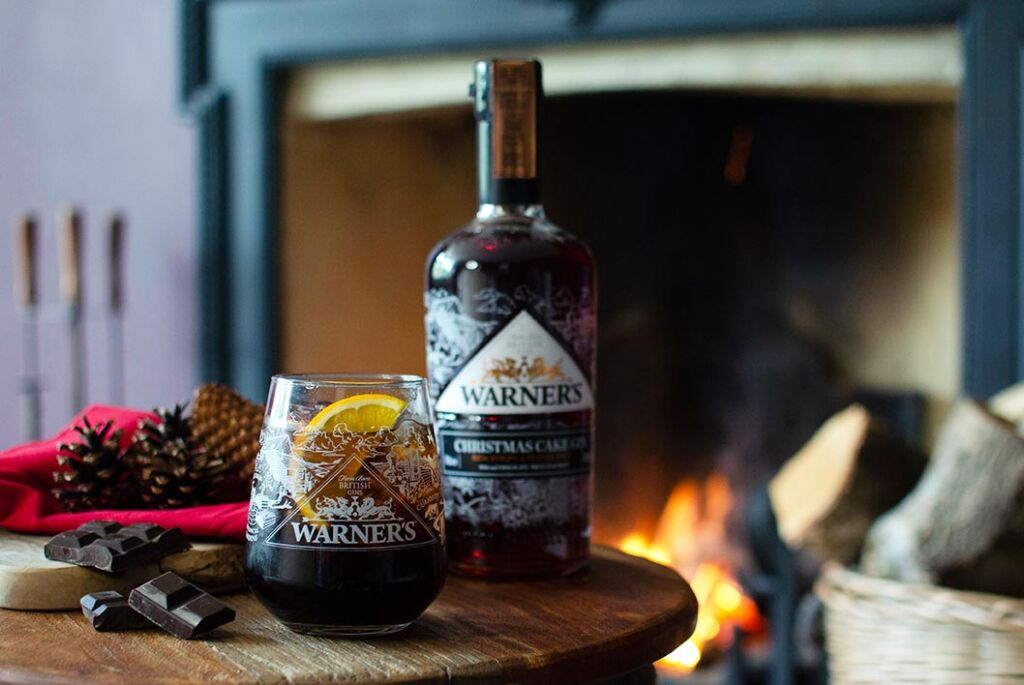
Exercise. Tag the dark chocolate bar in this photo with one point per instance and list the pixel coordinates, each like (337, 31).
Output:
(109, 546)
(179, 607)
(109, 610)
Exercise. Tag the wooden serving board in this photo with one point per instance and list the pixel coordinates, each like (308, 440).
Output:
(618, 615)
(28, 580)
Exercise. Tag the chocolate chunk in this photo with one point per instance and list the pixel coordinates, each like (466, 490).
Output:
(109, 546)
(179, 607)
(110, 611)
(147, 531)
(101, 527)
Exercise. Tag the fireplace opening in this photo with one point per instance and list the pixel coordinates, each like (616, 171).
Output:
(763, 261)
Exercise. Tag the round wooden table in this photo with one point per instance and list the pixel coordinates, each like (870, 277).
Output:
(617, 616)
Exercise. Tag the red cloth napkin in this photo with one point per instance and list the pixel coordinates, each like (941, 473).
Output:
(26, 478)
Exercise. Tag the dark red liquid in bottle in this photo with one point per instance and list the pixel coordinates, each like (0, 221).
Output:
(508, 261)
(511, 326)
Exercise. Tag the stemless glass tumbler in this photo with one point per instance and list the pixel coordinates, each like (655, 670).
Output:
(346, 522)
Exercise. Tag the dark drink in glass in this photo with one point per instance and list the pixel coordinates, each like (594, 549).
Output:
(346, 522)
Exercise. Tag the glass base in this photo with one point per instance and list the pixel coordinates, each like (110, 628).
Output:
(344, 631)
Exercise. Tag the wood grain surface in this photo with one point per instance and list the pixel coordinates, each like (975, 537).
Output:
(28, 580)
(619, 614)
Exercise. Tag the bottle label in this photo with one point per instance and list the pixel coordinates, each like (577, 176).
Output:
(522, 356)
(515, 454)
(457, 330)
(520, 369)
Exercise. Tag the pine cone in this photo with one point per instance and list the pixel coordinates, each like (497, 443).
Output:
(173, 468)
(228, 425)
(94, 473)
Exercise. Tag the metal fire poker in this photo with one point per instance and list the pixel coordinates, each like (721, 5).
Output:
(116, 284)
(28, 296)
(71, 291)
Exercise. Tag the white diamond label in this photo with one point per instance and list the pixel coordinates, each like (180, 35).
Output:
(522, 369)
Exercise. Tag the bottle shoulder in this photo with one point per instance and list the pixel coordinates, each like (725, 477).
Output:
(510, 239)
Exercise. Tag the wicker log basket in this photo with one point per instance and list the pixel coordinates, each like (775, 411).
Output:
(880, 631)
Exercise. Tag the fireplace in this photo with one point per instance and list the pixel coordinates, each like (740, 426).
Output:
(763, 259)
(783, 222)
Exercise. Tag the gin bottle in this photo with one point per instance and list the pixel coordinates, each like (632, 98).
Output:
(511, 322)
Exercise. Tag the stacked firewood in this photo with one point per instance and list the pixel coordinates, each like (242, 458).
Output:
(858, 494)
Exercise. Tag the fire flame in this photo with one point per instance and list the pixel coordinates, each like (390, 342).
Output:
(691, 538)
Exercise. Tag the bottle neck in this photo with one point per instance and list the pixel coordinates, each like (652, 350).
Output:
(506, 191)
(492, 211)
(506, 101)
(496, 185)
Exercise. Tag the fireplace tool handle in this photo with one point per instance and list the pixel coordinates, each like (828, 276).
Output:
(71, 292)
(27, 290)
(115, 263)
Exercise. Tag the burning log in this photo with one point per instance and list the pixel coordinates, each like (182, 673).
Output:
(966, 515)
(852, 470)
(691, 537)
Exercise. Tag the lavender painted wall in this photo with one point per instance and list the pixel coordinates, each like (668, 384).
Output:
(88, 116)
